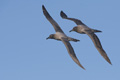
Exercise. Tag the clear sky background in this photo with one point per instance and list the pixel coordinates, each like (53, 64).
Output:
(25, 54)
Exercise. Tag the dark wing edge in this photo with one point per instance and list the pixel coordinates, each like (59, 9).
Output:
(64, 16)
(98, 45)
(51, 20)
(71, 52)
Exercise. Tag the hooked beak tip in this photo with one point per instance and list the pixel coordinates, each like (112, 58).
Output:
(70, 30)
(47, 38)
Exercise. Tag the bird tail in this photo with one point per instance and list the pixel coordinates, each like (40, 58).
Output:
(72, 39)
(94, 30)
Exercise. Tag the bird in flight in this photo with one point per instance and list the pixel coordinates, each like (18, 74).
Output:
(61, 36)
(84, 29)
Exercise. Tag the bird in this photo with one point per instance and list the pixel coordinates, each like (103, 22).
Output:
(61, 36)
(84, 29)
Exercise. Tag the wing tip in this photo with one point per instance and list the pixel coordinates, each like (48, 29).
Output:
(109, 62)
(81, 66)
(107, 59)
(45, 12)
(63, 15)
(43, 8)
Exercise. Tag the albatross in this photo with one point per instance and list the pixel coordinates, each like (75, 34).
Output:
(84, 29)
(61, 36)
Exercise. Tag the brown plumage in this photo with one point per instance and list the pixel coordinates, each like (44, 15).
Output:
(60, 35)
(83, 29)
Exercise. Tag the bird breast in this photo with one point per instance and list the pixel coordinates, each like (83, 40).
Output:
(58, 35)
(82, 28)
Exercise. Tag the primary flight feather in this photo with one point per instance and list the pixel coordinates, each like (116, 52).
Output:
(84, 29)
(60, 35)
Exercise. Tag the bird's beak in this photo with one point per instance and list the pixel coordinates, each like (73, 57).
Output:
(71, 30)
(47, 38)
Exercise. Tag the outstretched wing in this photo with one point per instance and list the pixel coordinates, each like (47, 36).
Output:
(71, 51)
(98, 45)
(51, 20)
(64, 16)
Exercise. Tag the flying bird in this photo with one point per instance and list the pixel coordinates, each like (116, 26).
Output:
(61, 36)
(84, 29)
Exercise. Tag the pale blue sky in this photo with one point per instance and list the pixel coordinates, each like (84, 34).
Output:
(25, 54)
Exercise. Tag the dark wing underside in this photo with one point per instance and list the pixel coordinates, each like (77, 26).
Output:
(64, 16)
(98, 45)
(51, 20)
(71, 51)
(94, 38)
